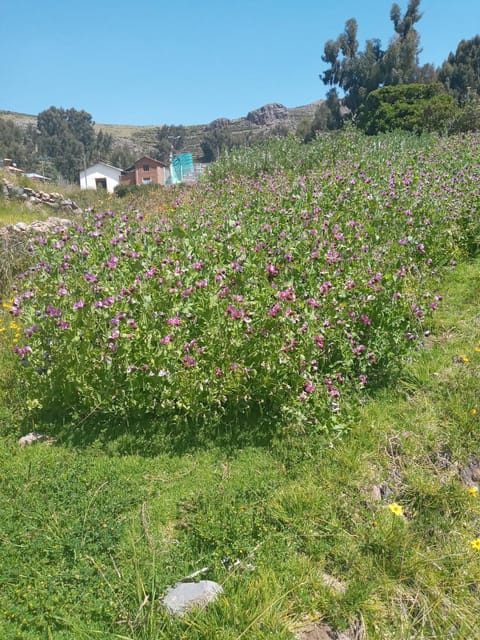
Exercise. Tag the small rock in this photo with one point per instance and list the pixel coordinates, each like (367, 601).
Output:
(324, 632)
(333, 583)
(33, 437)
(316, 632)
(185, 596)
(470, 474)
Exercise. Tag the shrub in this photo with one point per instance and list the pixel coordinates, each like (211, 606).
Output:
(413, 107)
(280, 295)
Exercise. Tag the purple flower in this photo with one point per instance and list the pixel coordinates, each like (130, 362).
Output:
(63, 325)
(29, 331)
(112, 262)
(90, 277)
(79, 304)
(309, 387)
(174, 322)
(272, 270)
(23, 351)
(151, 273)
(53, 312)
(233, 312)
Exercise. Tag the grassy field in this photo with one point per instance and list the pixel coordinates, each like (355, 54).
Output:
(375, 525)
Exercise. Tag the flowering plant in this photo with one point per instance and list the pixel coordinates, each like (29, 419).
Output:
(270, 294)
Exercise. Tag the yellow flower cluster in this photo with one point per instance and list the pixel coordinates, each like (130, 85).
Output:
(396, 508)
(9, 325)
(475, 544)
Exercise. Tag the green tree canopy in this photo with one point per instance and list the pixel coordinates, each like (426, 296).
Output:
(359, 72)
(413, 107)
(170, 140)
(67, 138)
(18, 143)
(460, 73)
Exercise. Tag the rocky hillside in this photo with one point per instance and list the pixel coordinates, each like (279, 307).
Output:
(266, 120)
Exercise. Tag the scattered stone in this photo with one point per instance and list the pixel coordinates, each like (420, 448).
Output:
(20, 226)
(316, 632)
(333, 583)
(325, 632)
(470, 473)
(185, 596)
(33, 438)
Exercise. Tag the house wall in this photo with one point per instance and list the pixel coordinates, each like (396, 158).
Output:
(110, 174)
(154, 175)
(128, 178)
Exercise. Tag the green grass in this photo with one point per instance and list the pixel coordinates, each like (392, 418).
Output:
(91, 539)
(14, 211)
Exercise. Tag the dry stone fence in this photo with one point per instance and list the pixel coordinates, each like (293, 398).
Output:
(15, 239)
(55, 201)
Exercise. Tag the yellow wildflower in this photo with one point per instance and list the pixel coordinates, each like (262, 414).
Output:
(475, 544)
(396, 508)
(473, 411)
(473, 491)
(464, 359)
(477, 348)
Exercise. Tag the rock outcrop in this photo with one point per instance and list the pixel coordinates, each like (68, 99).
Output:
(269, 114)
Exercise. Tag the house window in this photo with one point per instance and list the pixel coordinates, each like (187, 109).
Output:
(146, 167)
(146, 181)
(101, 183)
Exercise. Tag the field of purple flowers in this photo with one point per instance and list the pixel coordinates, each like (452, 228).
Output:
(287, 293)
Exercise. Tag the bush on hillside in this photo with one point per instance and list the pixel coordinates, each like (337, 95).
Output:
(412, 107)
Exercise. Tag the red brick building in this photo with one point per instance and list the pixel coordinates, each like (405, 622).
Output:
(145, 171)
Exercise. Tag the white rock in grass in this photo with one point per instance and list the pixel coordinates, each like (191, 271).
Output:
(33, 437)
(185, 596)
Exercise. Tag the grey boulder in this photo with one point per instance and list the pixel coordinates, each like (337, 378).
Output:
(185, 596)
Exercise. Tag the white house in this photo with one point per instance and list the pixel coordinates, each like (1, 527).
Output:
(100, 176)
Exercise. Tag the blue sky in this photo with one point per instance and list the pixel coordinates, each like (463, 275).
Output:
(159, 62)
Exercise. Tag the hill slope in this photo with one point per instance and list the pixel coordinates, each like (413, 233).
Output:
(141, 139)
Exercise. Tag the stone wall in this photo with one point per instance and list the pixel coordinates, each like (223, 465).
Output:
(36, 197)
